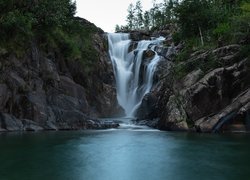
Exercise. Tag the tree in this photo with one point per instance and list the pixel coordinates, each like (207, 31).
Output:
(194, 17)
(131, 17)
(23, 20)
(138, 15)
(53, 13)
(117, 28)
(158, 16)
(168, 6)
(146, 20)
(241, 23)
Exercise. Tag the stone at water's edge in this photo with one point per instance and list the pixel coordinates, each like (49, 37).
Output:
(176, 116)
(211, 102)
(44, 91)
(235, 113)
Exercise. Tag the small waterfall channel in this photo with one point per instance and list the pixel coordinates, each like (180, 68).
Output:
(134, 76)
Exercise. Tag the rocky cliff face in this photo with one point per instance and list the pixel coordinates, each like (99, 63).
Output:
(42, 90)
(215, 100)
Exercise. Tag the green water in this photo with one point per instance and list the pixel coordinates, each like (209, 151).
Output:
(123, 155)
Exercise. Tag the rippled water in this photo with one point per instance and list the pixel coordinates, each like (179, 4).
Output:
(125, 154)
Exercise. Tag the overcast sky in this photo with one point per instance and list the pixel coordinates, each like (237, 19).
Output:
(107, 13)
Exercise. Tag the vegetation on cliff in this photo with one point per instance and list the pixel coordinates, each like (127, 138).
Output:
(201, 25)
(49, 24)
(210, 20)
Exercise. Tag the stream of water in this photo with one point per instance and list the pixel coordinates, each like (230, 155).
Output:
(134, 77)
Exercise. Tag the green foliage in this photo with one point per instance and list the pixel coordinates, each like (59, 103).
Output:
(241, 23)
(16, 26)
(66, 44)
(139, 16)
(157, 16)
(131, 17)
(221, 20)
(177, 37)
(51, 24)
(146, 20)
(206, 65)
(186, 63)
(193, 15)
(223, 31)
(22, 21)
(203, 25)
(53, 13)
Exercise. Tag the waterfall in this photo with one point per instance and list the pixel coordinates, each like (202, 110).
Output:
(134, 76)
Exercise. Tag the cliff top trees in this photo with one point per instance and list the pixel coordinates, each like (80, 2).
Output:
(25, 19)
(49, 23)
(131, 17)
(156, 17)
(135, 16)
(206, 19)
(40, 13)
(138, 15)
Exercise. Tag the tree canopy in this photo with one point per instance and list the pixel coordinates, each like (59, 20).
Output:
(50, 23)
(207, 19)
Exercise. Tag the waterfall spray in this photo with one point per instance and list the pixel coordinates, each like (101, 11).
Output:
(132, 84)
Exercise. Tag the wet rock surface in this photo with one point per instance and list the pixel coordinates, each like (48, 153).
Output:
(213, 101)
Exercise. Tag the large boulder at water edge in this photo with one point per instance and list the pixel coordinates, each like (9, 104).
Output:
(204, 100)
(45, 90)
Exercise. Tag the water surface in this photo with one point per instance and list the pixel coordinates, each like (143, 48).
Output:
(124, 154)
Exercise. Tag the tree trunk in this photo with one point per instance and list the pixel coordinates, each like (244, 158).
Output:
(202, 42)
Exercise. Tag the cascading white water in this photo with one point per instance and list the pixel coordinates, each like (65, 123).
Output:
(127, 63)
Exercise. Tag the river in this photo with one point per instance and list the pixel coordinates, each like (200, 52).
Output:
(123, 154)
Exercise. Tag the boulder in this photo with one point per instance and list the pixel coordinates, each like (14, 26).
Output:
(4, 96)
(108, 105)
(192, 78)
(147, 107)
(219, 122)
(29, 125)
(175, 117)
(10, 122)
(215, 90)
(48, 70)
(34, 107)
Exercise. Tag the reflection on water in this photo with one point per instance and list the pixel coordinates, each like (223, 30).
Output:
(123, 154)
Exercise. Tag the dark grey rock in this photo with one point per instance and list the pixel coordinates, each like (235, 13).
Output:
(29, 125)
(215, 123)
(4, 96)
(10, 122)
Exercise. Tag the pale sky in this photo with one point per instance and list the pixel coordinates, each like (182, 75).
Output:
(107, 13)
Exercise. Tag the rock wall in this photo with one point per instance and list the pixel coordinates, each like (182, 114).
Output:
(213, 101)
(42, 90)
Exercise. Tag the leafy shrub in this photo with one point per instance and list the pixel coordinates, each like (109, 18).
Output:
(241, 23)
(223, 30)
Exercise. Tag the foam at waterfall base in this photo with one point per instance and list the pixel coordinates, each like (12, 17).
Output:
(126, 123)
(132, 126)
